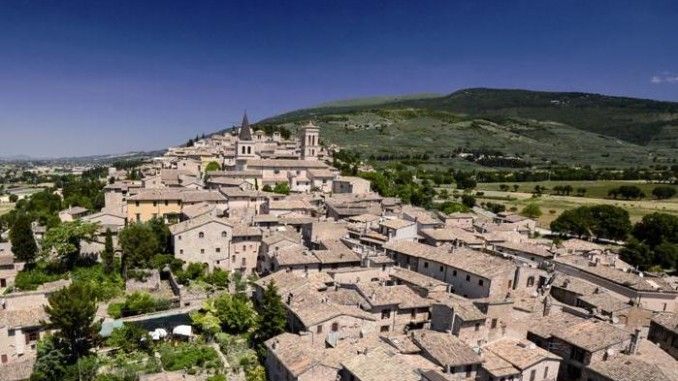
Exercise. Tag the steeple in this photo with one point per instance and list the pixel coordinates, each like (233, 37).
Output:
(245, 131)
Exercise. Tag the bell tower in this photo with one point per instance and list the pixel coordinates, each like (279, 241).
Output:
(309, 137)
(244, 147)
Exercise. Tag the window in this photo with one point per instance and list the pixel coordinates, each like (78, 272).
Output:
(4, 358)
(3, 282)
(533, 374)
(202, 251)
(201, 235)
(233, 259)
(319, 329)
(138, 217)
(155, 203)
(454, 272)
(530, 281)
(181, 251)
(441, 268)
(32, 336)
(10, 332)
(166, 202)
(468, 278)
(546, 372)
(218, 250)
(224, 234)
(385, 314)
(510, 283)
(493, 324)
(179, 237)
(137, 203)
(477, 327)
(244, 262)
(425, 265)
(335, 327)
(244, 247)
(384, 328)
(480, 282)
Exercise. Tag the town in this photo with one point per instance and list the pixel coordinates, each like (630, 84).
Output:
(247, 255)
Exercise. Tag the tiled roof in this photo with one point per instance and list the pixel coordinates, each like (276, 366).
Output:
(451, 234)
(593, 335)
(667, 320)
(520, 353)
(197, 222)
(446, 349)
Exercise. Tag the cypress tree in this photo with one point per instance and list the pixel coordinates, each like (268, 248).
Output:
(23, 243)
(108, 254)
(272, 312)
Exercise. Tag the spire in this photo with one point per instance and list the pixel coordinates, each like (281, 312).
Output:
(245, 131)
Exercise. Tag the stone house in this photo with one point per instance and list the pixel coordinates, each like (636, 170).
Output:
(204, 239)
(664, 332)
(520, 359)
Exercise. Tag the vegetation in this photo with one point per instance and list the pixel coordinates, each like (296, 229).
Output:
(664, 192)
(654, 242)
(23, 243)
(130, 338)
(601, 221)
(138, 303)
(139, 244)
(71, 312)
(531, 210)
(108, 255)
(65, 238)
(212, 166)
(188, 356)
(273, 317)
(589, 129)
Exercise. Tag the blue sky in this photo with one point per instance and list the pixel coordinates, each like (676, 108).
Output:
(87, 77)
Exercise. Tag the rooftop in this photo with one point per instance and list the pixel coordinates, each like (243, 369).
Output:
(445, 349)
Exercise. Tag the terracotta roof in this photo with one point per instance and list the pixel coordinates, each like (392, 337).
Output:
(593, 335)
(446, 349)
(396, 223)
(520, 353)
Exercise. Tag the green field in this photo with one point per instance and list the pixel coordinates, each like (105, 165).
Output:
(594, 189)
(552, 206)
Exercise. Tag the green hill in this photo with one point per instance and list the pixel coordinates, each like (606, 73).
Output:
(575, 128)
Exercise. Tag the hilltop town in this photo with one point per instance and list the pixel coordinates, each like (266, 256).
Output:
(246, 255)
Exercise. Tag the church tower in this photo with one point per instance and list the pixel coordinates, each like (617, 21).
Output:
(309, 136)
(244, 147)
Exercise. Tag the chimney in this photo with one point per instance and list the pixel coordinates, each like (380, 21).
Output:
(635, 339)
(547, 306)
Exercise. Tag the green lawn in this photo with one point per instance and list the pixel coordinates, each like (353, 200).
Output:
(594, 189)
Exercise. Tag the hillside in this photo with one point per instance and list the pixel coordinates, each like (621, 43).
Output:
(575, 128)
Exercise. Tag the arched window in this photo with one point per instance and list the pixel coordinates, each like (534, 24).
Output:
(224, 234)
(530, 281)
(201, 235)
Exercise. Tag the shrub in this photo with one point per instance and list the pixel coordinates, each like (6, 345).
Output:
(138, 303)
(30, 279)
(187, 356)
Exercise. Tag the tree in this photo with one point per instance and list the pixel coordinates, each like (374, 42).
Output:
(108, 255)
(212, 166)
(71, 311)
(567, 189)
(65, 240)
(656, 228)
(573, 221)
(581, 192)
(13, 198)
(129, 338)
(237, 315)
(23, 243)
(139, 244)
(267, 188)
(531, 210)
(51, 361)
(516, 187)
(162, 234)
(468, 200)
(281, 188)
(273, 317)
(608, 221)
(663, 192)
(503, 187)
(255, 373)
(465, 181)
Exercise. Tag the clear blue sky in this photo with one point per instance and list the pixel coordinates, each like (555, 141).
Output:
(86, 77)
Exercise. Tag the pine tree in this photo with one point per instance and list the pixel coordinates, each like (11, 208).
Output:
(272, 313)
(108, 255)
(71, 313)
(23, 243)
